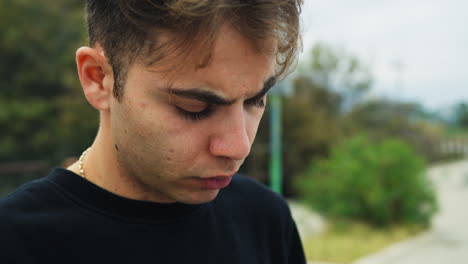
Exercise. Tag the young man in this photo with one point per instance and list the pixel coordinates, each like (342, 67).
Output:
(180, 87)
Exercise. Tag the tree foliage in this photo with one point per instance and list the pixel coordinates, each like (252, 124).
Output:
(460, 115)
(382, 119)
(37, 46)
(379, 182)
(42, 113)
(337, 70)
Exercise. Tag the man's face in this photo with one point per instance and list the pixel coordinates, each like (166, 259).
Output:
(181, 137)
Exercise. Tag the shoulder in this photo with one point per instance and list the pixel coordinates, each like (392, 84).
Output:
(34, 197)
(21, 197)
(22, 202)
(17, 212)
(29, 205)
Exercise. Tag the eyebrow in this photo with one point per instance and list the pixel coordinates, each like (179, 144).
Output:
(212, 98)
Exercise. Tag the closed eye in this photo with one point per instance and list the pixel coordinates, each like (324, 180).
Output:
(213, 101)
(196, 116)
(257, 101)
(210, 109)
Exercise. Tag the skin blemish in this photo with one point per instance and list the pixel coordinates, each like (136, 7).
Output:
(116, 147)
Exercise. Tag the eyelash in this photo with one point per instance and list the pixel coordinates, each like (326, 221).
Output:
(196, 116)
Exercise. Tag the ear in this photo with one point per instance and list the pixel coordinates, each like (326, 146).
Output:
(96, 76)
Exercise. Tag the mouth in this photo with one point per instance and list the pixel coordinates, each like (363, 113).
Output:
(214, 183)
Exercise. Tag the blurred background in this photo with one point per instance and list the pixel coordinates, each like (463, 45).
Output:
(374, 120)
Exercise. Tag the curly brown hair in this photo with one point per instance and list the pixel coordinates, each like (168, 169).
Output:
(128, 30)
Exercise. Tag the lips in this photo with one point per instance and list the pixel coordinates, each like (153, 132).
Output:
(215, 183)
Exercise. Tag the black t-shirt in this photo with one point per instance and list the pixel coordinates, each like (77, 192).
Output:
(64, 218)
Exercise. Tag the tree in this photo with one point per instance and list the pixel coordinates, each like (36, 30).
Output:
(380, 182)
(382, 119)
(340, 71)
(42, 113)
(37, 46)
(461, 115)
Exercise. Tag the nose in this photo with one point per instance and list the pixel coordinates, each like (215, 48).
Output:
(231, 140)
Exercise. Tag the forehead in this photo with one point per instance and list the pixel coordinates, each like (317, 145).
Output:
(230, 54)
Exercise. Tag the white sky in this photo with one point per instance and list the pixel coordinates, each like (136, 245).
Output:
(429, 38)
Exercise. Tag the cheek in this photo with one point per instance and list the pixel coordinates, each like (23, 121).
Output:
(168, 136)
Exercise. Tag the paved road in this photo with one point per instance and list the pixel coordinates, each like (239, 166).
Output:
(447, 241)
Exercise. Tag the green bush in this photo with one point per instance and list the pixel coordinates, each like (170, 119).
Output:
(380, 183)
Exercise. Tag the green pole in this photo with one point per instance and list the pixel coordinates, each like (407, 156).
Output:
(275, 143)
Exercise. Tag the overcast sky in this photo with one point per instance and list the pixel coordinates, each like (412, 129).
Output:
(426, 39)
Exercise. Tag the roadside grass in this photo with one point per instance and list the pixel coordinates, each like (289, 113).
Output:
(346, 242)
